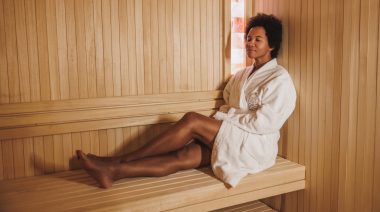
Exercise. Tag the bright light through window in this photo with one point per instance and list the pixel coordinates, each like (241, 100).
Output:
(237, 35)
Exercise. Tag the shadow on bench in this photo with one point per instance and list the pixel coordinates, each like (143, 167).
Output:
(191, 190)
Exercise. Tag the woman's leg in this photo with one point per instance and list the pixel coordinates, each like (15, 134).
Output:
(105, 173)
(191, 126)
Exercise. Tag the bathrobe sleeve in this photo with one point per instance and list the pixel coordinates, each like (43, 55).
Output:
(277, 102)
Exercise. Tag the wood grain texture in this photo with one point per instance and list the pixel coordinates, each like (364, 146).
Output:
(183, 191)
(331, 53)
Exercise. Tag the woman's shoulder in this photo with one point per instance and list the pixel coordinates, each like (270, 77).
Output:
(280, 71)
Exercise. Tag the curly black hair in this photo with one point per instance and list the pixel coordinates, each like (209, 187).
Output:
(273, 30)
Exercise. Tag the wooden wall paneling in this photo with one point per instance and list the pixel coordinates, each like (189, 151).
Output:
(154, 38)
(176, 45)
(315, 104)
(28, 156)
(8, 161)
(148, 87)
(162, 45)
(283, 59)
(290, 200)
(31, 27)
(197, 46)
(302, 95)
(48, 159)
(94, 139)
(4, 89)
(376, 175)
(107, 47)
(190, 45)
(330, 72)
(62, 50)
(51, 23)
(18, 158)
(221, 45)
(183, 71)
(133, 143)
(217, 35)
(309, 106)
(132, 45)
(226, 51)
(99, 49)
(368, 50)
(81, 48)
(352, 171)
(203, 53)
(76, 139)
(103, 146)
(338, 65)
(67, 149)
(86, 141)
(348, 111)
(209, 45)
(1, 160)
(43, 53)
(58, 153)
(11, 46)
(22, 51)
(140, 47)
(169, 45)
(90, 48)
(143, 135)
(126, 133)
(323, 15)
(115, 42)
(297, 77)
(124, 58)
(119, 141)
(39, 155)
(72, 49)
(362, 114)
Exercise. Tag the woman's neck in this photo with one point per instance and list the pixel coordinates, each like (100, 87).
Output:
(259, 63)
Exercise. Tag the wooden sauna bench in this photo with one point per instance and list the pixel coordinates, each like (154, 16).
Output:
(191, 190)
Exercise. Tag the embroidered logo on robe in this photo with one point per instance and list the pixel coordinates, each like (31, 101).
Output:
(254, 102)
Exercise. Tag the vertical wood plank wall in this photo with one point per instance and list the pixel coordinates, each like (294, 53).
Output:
(58, 51)
(331, 49)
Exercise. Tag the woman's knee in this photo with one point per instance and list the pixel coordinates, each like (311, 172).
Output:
(189, 157)
(191, 119)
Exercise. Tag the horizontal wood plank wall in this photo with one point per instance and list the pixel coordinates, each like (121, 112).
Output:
(96, 75)
(331, 49)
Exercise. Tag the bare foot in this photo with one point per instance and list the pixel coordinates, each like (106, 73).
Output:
(104, 159)
(96, 169)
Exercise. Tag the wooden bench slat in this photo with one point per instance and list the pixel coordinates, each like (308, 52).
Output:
(183, 191)
(255, 206)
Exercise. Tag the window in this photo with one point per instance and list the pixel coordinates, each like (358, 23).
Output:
(238, 57)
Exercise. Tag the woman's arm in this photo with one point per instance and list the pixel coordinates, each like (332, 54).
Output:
(277, 104)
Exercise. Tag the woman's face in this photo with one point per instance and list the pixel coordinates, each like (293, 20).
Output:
(257, 46)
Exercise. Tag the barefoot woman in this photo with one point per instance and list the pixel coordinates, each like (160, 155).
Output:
(240, 139)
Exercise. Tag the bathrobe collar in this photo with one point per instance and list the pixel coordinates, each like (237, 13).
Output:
(268, 66)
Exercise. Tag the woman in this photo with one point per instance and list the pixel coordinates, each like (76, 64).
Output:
(242, 136)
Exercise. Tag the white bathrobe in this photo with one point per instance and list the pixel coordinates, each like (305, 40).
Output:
(256, 108)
